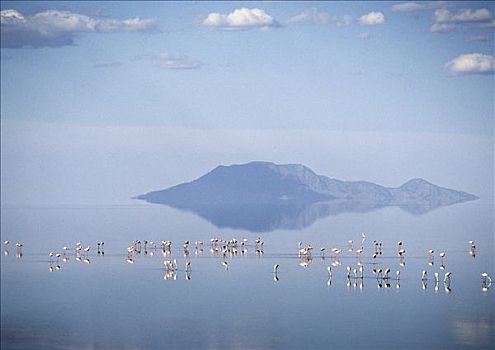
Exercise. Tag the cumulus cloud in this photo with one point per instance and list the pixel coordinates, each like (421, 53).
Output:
(311, 15)
(372, 18)
(55, 28)
(447, 21)
(465, 15)
(472, 63)
(241, 19)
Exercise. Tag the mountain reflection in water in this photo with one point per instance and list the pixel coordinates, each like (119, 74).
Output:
(265, 217)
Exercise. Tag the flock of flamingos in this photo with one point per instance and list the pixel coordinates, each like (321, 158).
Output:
(227, 249)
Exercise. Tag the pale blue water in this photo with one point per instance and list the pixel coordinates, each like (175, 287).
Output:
(110, 304)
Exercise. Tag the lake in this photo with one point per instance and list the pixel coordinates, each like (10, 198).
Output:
(109, 303)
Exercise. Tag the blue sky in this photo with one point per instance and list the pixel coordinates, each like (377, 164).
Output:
(304, 74)
(367, 70)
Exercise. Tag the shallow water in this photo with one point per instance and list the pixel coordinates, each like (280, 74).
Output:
(111, 304)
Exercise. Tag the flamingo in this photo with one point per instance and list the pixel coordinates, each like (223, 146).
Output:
(423, 275)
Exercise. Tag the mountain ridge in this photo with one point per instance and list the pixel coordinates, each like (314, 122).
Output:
(261, 182)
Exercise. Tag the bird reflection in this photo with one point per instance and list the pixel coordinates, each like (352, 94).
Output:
(486, 282)
(19, 247)
(6, 247)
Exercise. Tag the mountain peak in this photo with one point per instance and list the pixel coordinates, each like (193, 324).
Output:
(267, 183)
(417, 182)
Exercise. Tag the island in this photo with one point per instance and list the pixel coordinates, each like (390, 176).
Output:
(262, 196)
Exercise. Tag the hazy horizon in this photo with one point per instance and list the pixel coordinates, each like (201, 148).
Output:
(111, 164)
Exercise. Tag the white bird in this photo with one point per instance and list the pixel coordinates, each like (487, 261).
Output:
(188, 266)
(348, 271)
(436, 277)
(423, 275)
(6, 242)
(336, 251)
(224, 263)
(442, 255)
(329, 269)
(275, 268)
(386, 273)
(397, 275)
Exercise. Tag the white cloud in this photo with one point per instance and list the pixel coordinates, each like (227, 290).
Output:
(241, 19)
(417, 6)
(311, 15)
(372, 18)
(472, 63)
(11, 17)
(464, 15)
(479, 38)
(364, 35)
(408, 6)
(169, 61)
(54, 28)
(442, 27)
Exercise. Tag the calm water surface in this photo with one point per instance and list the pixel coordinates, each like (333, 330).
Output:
(111, 304)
